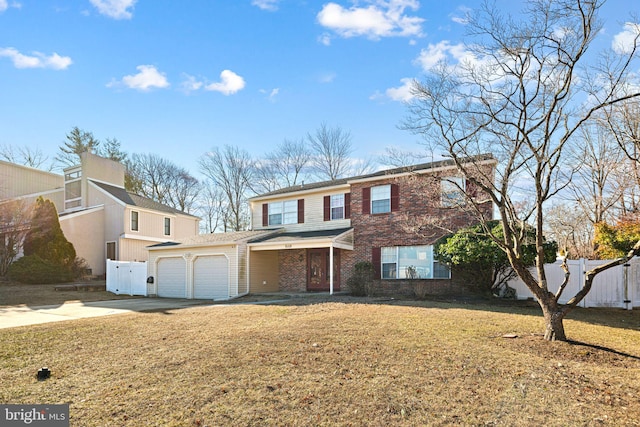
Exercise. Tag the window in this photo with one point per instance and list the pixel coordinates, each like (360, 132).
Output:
(111, 251)
(134, 221)
(337, 206)
(381, 199)
(452, 191)
(73, 175)
(73, 189)
(283, 212)
(411, 262)
(167, 226)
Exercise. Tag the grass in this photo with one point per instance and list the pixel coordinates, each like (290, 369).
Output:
(331, 363)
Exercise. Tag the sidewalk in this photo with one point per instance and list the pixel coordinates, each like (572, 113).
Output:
(23, 315)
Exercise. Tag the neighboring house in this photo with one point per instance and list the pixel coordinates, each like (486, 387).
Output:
(97, 215)
(309, 237)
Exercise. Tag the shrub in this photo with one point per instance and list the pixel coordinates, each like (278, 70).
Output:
(361, 282)
(34, 270)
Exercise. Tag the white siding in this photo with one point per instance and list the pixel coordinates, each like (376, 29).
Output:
(313, 213)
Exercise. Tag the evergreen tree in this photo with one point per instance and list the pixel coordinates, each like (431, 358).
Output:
(78, 141)
(45, 237)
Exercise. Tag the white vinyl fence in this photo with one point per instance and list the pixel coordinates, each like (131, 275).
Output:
(127, 277)
(617, 287)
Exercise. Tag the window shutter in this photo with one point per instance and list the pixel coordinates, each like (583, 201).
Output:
(375, 260)
(300, 211)
(265, 214)
(395, 197)
(327, 208)
(347, 205)
(366, 200)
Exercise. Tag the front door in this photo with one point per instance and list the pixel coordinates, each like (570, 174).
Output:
(318, 270)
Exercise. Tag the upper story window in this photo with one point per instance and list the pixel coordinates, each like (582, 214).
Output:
(73, 189)
(337, 206)
(283, 212)
(134, 221)
(167, 226)
(381, 199)
(452, 190)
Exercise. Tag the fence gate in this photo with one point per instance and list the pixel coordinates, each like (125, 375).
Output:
(127, 277)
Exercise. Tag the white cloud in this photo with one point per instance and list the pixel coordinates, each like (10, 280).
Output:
(190, 84)
(463, 17)
(147, 78)
(381, 18)
(116, 9)
(401, 93)
(623, 41)
(36, 60)
(3, 5)
(443, 51)
(229, 83)
(327, 77)
(325, 39)
(272, 94)
(270, 5)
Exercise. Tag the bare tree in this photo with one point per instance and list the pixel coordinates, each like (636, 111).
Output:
(331, 148)
(27, 156)
(230, 169)
(518, 95)
(623, 122)
(183, 190)
(396, 157)
(15, 217)
(569, 225)
(283, 167)
(160, 180)
(211, 208)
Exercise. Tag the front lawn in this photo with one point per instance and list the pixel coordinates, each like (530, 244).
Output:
(330, 363)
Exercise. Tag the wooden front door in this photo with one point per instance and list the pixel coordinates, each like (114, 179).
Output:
(318, 270)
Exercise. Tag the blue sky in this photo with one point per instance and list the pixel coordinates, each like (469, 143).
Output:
(178, 77)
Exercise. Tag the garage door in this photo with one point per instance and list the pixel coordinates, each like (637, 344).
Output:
(211, 277)
(171, 278)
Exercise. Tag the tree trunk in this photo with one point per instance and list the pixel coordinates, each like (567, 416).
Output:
(554, 328)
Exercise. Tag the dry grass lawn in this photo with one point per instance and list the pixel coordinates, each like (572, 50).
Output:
(331, 363)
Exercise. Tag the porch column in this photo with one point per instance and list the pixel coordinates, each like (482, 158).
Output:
(331, 269)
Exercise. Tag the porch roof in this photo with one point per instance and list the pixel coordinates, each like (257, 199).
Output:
(338, 238)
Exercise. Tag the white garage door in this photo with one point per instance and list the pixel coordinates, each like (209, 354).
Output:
(210, 277)
(172, 278)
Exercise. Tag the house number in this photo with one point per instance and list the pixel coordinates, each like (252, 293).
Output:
(287, 246)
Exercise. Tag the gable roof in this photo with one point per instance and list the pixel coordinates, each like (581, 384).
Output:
(213, 239)
(395, 171)
(132, 199)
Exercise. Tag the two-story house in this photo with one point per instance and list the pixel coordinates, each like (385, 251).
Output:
(97, 215)
(310, 236)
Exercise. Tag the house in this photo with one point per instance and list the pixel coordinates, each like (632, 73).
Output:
(97, 215)
(309, 237)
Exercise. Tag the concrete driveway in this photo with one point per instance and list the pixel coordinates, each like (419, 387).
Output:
(23, 315)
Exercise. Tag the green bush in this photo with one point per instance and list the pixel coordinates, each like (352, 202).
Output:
(361, 282)
(34, 270)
